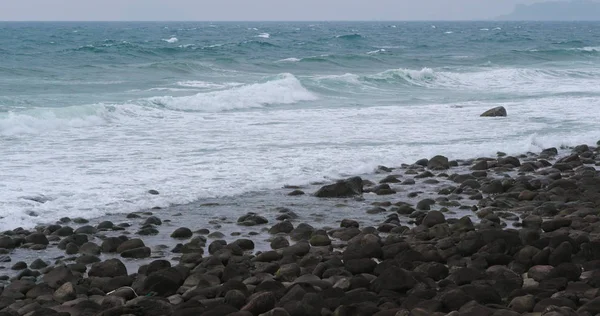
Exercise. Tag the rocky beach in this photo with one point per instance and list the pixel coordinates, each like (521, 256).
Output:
(488, 236)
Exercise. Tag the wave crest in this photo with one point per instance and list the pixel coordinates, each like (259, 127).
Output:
(284, 89)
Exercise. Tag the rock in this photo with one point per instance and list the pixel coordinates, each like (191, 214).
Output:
(438, 163)
(281, 227)
(495, 112)
(320, 240)
(163, 283)
(38, 264)
(296, 193)
(87, 230)
(279, 242)
(365, 246)
(561, 254)
(358, 266)
(111, 244)
(182, 233)
(153, 192)
(557, 223)
(90, 248)
(288, 272)
(65, 292)
(522, 304)
(130, 244)
(425, 205)
(433, 218)
(393, 279)
(251, 219)
(108, 269)
(19, 266)
(58, 276)
(7, 242)
(37, 238)
(105, 225)
(302, 232)
(152, 220)
(345, 188)
(260, 303)
(235, 298)
(347, 223)
(136, 253)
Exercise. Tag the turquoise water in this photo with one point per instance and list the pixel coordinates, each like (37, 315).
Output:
(92, 115)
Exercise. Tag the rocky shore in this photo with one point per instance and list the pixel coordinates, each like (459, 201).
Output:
(529, 244)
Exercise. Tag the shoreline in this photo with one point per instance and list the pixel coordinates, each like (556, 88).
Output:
(424, 238)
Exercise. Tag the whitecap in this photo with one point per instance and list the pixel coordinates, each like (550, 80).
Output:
(171, 40)
(207, 85)
(448, 32)
(264, 35)
(376, 51)
(284, 89)
(289, 60)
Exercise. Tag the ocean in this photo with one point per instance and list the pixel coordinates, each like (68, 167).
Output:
(94, 115)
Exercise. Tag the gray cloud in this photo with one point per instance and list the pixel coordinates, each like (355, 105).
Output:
(217, 10)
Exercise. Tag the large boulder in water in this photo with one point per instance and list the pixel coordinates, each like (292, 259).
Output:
(345, 188)
(497, 111)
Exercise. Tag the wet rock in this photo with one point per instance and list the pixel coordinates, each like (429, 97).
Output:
(87, 230)
(153, 192)
(345, 188)
(433, 218)
(557, 223)
(561, 254)
(438, 163)
(251, 219)
(105, 225)
(136, 253)
(111, 244)
(7, 242)
(522, 304)
(279, 242)
(365, 246)
(65, 292)
(19, 266)
(152, 220)
(90, 248)
(499, 111)
(302, 232)
(296, 193)
(281, 227)
(347, 223)
(37, 238)
(38, 264)
(320, 240)
(108, 269)
(130, 244)
(182, 233)
(393, 279)
(58, 276)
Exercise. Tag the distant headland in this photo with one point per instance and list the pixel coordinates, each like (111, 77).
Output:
(574, 10)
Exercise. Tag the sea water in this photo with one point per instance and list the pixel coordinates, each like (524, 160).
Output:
(93, 115)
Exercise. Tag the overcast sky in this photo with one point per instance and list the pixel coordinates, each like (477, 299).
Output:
(246, 10)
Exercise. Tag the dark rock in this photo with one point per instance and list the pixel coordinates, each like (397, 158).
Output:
(346, 188)
(108, 269)
(182, 233)
(561, 254)
(495, 112)
(302, 232)
(38, 264)
(37, 238)
(136, 253)
(251, 219)
(130, 244)
(554, 224)
(279, 242)
(58, 276)
(347, 223)
(365, 246)
(296, 193)
(111, 244)
(153, 220)
(320, 240)
(19, 266)
(87, 230)
(433, 218)
(281, 227)
(90, 248)
(105, 225)
(394, 279)
(438, 163)
(260, 303)
(65, 292)
(358, 266)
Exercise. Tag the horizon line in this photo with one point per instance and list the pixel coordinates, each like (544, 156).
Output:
(288, 21)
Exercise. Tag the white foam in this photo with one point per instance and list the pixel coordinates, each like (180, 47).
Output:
(285, 89)
(448, 32)
(589, 49)
(264, 35)
(289, 60)
(207, 85)
(376, 51)
(484, 29)
(171, 40)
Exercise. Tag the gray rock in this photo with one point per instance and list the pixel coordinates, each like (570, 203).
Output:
(281, 227)
(495, 112)
(136, 253)
(182, 233)
(345, 188)
(108, 269)
(65, 292)
(279, 242)
(438, 163)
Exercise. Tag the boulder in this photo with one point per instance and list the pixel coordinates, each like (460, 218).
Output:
(108, 269)
(438, 163)
(495, 112)
(345, 188)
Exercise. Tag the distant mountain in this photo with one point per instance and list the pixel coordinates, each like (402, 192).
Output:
(574, 10)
